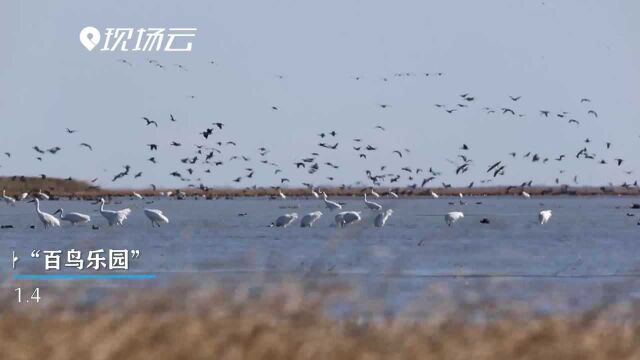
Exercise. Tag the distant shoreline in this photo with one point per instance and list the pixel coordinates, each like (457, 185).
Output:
(64, 188)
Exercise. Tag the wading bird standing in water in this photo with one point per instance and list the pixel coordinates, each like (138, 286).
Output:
(382, 218)
(156, 217)
(544, 216)
(285, 220)
(42, 196)
(310, 218)
(452, 217)
(73, 217)
(116, 217)
(8, 199)
(331, 205)
(347, 217)
(46, 218)
(372, 205)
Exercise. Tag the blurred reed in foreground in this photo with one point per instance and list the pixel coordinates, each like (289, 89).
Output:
(292, 323)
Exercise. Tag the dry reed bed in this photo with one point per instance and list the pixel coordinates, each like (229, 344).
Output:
(85, 190)
(291, 323)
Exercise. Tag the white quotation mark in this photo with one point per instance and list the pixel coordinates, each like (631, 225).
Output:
(89, 37)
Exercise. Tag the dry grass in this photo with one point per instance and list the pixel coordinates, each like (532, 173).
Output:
(82, 189)
(19, 184)
(290, 323)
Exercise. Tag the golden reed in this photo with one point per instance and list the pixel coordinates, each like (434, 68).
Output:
(291, 322)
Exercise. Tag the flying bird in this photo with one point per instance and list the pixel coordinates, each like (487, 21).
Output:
(207, 133)
(494, 166)
(149, 122)
(498, 171)
(125, 62)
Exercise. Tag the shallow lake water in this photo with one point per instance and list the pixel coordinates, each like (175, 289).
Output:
(590, 250)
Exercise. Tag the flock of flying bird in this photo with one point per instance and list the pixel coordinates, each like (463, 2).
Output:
(212, 151)
(202, 158)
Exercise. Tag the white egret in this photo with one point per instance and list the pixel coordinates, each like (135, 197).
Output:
(137, 196)
(433, 194)
(282, 195)
(47, 219)
(382, 218)
(285, 220)
(310, 218)
(7, 199)
(544, 216)
(347, 217)
(23, 196)
(42, 196)
(331, 205)
(156, 217)
(372, 205)
(114, 217)
(315, 194)
(73, 217)
(452, 217)
(374, 193)
(460, 195)
(393, 195)
(525, 194)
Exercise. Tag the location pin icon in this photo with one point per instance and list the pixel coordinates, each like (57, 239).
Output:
(89, 37)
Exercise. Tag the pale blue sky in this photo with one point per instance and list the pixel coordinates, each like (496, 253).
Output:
(552, 53)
